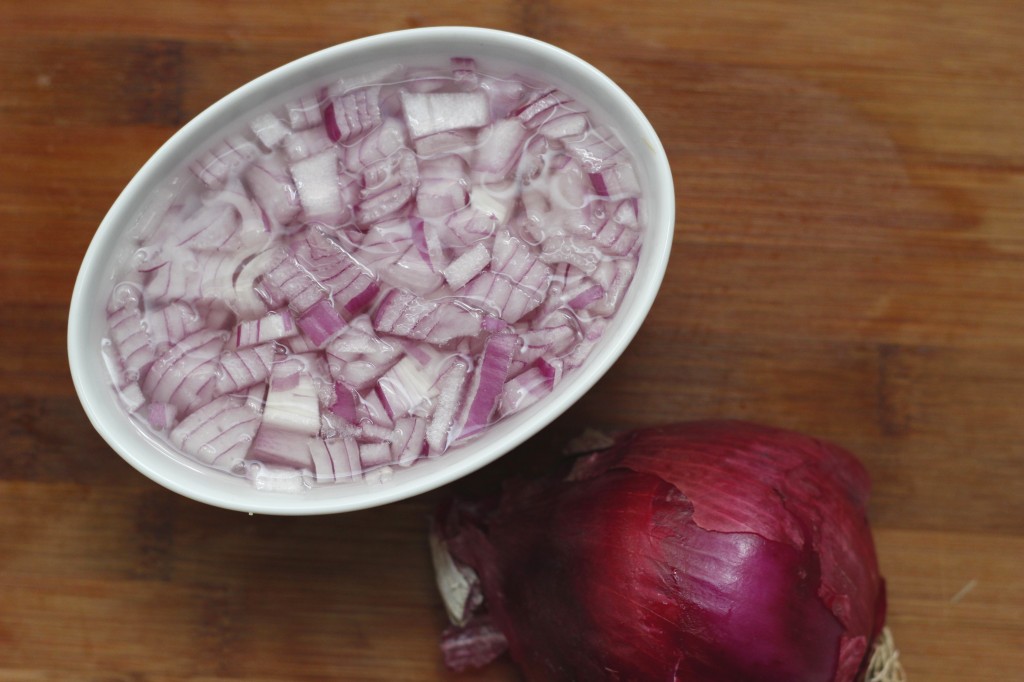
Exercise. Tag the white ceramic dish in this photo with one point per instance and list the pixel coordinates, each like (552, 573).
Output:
(86, 324)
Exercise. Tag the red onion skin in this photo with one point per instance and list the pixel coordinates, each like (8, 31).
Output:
(703, 552)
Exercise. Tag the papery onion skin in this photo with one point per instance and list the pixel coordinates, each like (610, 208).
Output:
(705, 552)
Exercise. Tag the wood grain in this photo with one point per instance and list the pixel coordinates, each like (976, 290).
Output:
(849, 261)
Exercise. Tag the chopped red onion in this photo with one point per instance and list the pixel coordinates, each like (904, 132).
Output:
(447, 403)
(270, 183)
(486, 386)
(374, 455)
(318, 182)
(292, 282)
(358, 357)
(302, 144)
(303, 112)
(541, 109)
(283, 447)
(386, 263)
(435, 321)
(181, 374)
(292, 402)
(444, 186)
(161, 416)
(352, 284)
(273, 327)
(396, 250)
(344, 404)
(131, 339)
(409, 440)
(240, 369)
(498, 147)
(353, 114)
(467, 266)
(225, 159)
(430, 113)
(379, 143)
(219, 433)
(132, 397)
(172, 323)
(321, 323)
(269, 130)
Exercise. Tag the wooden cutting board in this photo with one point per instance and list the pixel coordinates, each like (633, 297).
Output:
(849, 262)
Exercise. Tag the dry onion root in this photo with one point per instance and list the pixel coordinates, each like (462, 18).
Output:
(885, 663)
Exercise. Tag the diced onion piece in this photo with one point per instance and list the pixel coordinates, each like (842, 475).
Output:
(450, 391)
(160, 416)
(274, 478)
(429, 113)
(318, 182)
(219, 433)
(358, 357)
(131, 340)
(499, 147)
(459, 142)
(215, 225)
(503, 95)
(282, 447)
(404, 387)
(467, 266)
(486, 386)
(542, 108)
(619, 234)
(131, 397)
(572, 250)
(464, 72)
(269, 130)
(352, 114)
(493, 200)
(304, 112)
(272, 327)
(443, 187)
(509, 300)
(378, 144)
(550, 337)
(271, 185)
(596, 149)
(248, 304)
(321, 323)
(614, 277)
(352, 285)
(527, 387)
(292, 402)
(294, 284)
(397, 251)
(344, 453)
(240, 369)
(185, 375)
(616, 181)
(409, 440)
(568, 125)
(302, 144)
(374, 455)
(344, 404)
(323, 466)
(466, 227)
(172, 323)
(223, 160)
(435, 321)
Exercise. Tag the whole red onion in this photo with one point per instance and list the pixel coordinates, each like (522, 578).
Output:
(708, 551)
